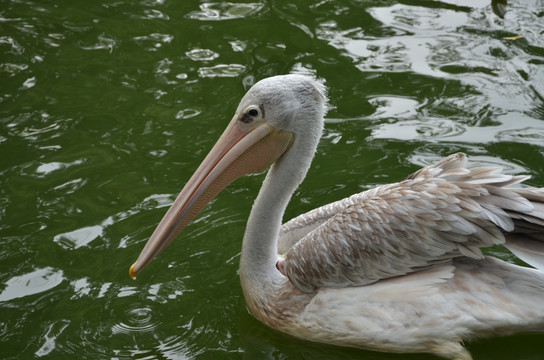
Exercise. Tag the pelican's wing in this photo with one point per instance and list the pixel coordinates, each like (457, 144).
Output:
(297, 228)
(440, 212)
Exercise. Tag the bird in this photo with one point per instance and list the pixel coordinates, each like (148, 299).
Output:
(397, 268)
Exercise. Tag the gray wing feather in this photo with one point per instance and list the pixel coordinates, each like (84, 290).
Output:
(438, 213)
(296, 228)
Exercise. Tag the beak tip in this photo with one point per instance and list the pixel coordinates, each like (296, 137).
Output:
(131, 272)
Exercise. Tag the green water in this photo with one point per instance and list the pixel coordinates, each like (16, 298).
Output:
(106, 108)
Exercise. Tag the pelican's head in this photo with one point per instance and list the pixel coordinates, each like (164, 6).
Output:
(276, 114)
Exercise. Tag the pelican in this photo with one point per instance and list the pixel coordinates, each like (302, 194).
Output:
(397, 268)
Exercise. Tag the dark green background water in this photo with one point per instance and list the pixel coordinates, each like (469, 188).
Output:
(107, 107)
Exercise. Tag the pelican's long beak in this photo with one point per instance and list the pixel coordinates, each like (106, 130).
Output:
(242, 149)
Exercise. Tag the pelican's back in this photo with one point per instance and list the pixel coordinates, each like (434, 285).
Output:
(441, 212)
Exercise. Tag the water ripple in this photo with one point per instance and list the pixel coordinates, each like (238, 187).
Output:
(50, 337)
(222, 70)
(83, 236)
(15, 47)
(138, 320)
(427, 129)
(412, 19)
(175, 347)
(187, 113)
(224, 11)
(202, 54)
(103, 43)
(13, 69)
(150, 14)
(46, 168)
(529, 135)
(80, 237)
(389, 107)
(153, 41)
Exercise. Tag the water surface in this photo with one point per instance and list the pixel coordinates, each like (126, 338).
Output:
(107, 107)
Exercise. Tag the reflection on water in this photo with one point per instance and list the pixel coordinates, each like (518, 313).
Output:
(499, 91)
(106, 108)
(212, 11)
(50, 337)
(37, 281)
(223, 70)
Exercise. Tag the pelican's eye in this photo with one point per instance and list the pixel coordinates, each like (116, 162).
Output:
(251, 113)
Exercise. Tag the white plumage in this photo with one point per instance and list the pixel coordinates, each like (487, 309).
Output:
(396, 268)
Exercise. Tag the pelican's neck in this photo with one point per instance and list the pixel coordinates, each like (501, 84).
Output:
(259, 247)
